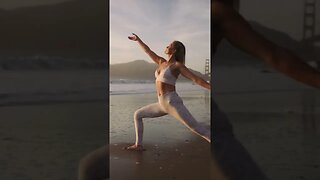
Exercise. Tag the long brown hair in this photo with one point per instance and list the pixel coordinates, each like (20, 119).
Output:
(180, 53)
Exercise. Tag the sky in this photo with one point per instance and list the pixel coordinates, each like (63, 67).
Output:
(158, 23)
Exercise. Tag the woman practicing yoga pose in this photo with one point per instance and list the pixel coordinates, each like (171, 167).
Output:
(168, 100)
(232, 158)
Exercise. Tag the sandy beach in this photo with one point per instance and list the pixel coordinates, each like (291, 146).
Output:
(275, 118)
(49, 121)
(43, 137)
(47, 141)
(281, 130)
(173, 151)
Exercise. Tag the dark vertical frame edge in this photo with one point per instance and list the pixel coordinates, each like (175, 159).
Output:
(107, 104)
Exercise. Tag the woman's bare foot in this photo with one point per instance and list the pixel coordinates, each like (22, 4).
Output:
(135, 147)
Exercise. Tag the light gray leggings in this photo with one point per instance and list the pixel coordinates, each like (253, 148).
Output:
(172, 104)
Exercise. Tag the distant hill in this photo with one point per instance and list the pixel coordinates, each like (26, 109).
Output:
(138, 70)
(76, 28)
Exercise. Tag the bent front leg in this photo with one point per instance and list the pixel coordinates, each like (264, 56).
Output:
(149, 111)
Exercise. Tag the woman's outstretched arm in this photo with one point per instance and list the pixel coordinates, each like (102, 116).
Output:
(157, 59)
(196, 79)
(240, 34)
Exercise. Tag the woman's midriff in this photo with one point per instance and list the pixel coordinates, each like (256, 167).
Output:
(163, 88)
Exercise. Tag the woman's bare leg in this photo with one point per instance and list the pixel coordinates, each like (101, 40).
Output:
(176, 108)
(149, 111)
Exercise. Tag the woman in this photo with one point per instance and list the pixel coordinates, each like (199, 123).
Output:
(168, 100)
(231, 157)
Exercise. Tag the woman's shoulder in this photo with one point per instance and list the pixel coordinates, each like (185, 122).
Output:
(179, 64)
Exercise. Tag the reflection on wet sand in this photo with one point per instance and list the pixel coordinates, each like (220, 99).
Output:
(188, 160)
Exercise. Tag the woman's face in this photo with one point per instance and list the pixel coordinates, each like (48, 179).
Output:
(170, 49)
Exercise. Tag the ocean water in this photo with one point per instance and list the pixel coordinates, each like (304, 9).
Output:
(25, 86)
(36, 87)
(148, 87)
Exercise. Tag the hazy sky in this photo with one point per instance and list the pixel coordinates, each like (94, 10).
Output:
(158, 23)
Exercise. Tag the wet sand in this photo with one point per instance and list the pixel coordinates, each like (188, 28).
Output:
(173, 151)
(48, 141)
(281, 130)
(190, 160)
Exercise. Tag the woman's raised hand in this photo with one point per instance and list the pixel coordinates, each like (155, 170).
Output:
(134, 37)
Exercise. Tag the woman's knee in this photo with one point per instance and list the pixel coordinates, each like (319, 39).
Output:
(138, 115)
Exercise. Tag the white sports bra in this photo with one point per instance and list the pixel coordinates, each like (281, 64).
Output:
(166, 76)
